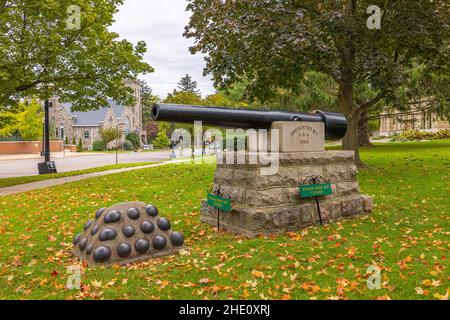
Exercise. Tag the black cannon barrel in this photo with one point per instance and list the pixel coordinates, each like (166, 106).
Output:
(335, 123)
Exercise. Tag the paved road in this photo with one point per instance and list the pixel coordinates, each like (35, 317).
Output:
(28, 167)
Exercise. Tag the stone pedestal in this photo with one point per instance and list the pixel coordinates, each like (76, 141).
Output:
(272, 204)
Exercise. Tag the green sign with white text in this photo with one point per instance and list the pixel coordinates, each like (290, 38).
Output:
(316, 190)
(219, 203)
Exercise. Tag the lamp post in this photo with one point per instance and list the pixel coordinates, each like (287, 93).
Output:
(47, 131)
(117, 150)
(47, 166)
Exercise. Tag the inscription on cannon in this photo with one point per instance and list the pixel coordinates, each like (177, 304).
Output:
(301, 136)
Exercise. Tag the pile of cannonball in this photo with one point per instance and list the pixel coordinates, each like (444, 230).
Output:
(126, 233)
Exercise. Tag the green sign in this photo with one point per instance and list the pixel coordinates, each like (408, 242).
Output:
(219, 203)
(315, 190)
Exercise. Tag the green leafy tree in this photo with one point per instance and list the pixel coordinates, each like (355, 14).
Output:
(74, 142)
(186, 84)
(44, 54)
(274, 43)
(133, 137)
(80, 147)
(148, 99)
(109, 134)
(162, 141)
(183, 97)
(30, 125)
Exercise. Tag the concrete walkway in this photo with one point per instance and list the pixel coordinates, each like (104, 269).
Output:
(58, 181)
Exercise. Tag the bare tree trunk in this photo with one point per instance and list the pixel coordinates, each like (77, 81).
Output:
(363, 131)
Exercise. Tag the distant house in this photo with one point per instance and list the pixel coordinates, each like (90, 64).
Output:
(397, 122)
(87, 125)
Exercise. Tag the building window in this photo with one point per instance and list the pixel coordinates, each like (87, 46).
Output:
(87, 135)
(63, 135)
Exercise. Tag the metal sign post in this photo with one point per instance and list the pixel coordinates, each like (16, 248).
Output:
(315, 187)
(218, 201)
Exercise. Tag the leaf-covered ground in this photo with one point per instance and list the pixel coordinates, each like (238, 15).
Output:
(7, 182)
(406, 236)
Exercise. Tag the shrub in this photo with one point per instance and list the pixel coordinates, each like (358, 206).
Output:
(133, 137)
(127, 146)
(161, 141)
(99, 145)
(80, 146)
(74, 142)
(411, 135)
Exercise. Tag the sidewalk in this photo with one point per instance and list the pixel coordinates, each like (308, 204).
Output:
(58, 155)
(59, 181)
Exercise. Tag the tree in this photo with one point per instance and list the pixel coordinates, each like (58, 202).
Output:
(186, 84)
(183, 97)
(133, 137)
(30, 125)
(109, 134)
(80, 147)
(45, 52)
(162, 141)
(148, 99)
(273, 43)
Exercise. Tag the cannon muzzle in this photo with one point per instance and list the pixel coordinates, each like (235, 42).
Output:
(335, 123)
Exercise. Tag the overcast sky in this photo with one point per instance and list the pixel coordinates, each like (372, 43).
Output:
(160, 23)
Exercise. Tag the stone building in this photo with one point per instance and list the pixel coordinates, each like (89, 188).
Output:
(397, 122)
(87, 125)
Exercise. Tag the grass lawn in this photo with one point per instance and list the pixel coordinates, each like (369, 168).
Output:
(7, 182)
(406, 235)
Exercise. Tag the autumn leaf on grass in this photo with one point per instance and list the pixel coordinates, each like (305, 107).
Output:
(404, 263)
(258, 274)
(294, 236)
(310, 287)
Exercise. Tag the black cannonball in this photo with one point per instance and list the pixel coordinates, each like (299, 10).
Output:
(159, 242)
(177, 239)
(124, 250)
(151, 210)
(83, 243)
(94, 229)
(164, 224)
(142, 246)
(76, 239)
(108, 234)
(89, 249)
(112, 217)
(102, 254)
(128, 231)
(147, 227)
(99, 212)
(88, 225)
(133, 213)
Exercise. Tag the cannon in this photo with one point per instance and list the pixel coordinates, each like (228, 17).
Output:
(335, 123)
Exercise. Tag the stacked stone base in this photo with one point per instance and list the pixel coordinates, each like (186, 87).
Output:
(264, 205)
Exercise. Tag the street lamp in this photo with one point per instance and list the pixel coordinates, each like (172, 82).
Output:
(48, 166)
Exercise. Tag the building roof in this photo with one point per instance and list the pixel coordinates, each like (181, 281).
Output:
(93, 117)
